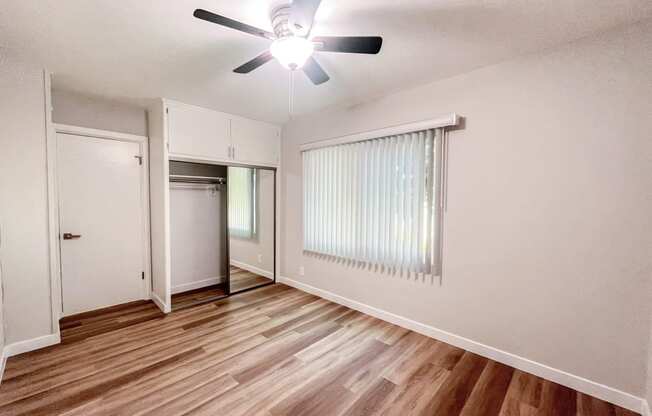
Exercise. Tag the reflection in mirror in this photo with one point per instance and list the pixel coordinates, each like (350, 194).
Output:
(251, 227)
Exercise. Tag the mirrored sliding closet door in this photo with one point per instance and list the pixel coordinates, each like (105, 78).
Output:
(251, 215)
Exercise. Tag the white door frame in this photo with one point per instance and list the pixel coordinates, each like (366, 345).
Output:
(55, 241)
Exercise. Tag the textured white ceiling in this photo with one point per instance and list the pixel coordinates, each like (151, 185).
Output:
(135, 50)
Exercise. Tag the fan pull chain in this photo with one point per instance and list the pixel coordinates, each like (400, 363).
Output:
(291, 95)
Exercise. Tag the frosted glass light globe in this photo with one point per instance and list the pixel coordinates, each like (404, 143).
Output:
(292, 51)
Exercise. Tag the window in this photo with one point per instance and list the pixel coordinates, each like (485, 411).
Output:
(242, 202)
(376, 201)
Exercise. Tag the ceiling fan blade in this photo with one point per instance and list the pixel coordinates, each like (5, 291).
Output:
(233, 24)
(315, 72)
(261, 59)
(302, 15)
(348, 44)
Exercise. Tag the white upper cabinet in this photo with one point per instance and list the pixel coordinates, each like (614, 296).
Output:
(255, 142)
(202, 134)
(198, 132)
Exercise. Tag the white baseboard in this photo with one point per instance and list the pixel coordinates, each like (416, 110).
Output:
(580, 384)
(645, 409)
(252, 269)
(164, 307)
(198, 284)
(31, 344)
(3, 363)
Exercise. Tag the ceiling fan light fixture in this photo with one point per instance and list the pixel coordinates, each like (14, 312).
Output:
(292, 51)
(293, 47)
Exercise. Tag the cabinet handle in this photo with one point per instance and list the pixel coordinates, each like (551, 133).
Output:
(233, 157)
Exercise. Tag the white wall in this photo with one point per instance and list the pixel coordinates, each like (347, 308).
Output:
(98, 113)
(24, 251)
(197, 236)
(159, 197)
(245, 251)
(547, 230)
(2, 321)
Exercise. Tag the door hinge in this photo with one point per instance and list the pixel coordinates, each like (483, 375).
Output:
(140, 159)
(142, 275)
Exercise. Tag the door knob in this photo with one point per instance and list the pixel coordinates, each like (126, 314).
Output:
(69, 236)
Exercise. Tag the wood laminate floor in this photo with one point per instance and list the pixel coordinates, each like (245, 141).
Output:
(197, 296)
(240, 280)
(244, 279)
(271, 351)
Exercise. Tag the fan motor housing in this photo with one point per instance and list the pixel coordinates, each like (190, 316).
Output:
(280, 21)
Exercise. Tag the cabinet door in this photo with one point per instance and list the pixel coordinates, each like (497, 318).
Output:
(198, 132)
(255, 142)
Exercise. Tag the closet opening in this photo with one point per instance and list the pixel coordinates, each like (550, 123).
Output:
(222, 231)
(198, 233)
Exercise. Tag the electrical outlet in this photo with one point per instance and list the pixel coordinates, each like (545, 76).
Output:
(260, 258)
(302, 271)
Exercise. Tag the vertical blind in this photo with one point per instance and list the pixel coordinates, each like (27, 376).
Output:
(376, 201)
(242, 202)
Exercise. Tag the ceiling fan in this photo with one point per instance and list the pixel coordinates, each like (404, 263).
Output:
(292, 45)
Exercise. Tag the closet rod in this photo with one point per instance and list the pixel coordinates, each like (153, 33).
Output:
(198, 179)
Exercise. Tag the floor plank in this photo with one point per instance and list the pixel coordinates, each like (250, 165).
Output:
(453, 395)
(272, 351)
(372, 400)
(489, 393)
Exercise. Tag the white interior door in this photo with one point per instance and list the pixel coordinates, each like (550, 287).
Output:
(101, 222)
